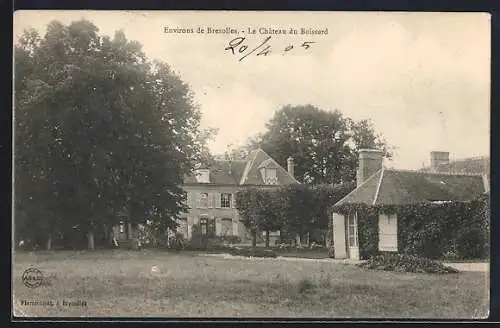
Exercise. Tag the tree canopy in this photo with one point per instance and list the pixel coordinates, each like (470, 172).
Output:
(292, 209)
(324, 144)
(99, 130)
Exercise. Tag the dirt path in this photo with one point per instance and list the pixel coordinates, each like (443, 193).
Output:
(470, 267)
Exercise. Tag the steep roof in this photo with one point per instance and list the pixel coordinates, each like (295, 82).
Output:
(222, 172)
(244, 172)
(397, 187)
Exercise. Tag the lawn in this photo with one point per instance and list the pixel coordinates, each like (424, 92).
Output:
(122, 283)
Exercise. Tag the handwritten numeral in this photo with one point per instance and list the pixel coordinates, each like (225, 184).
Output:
(239, 46)
(306, 44)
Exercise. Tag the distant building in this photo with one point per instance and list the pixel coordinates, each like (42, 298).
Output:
(211, 194)
(440, 163)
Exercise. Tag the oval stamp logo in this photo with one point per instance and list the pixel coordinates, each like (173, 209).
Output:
(32, 278)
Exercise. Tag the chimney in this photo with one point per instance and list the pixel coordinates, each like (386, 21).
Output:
(290, 166)
(439, 158)
(370, 161)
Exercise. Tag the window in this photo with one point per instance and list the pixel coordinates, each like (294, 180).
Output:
(203, 200)
(203, 226)
(225, 200)
(271, 177)
(202, 176)
(207, 226)
(226, 227)
(353, 230)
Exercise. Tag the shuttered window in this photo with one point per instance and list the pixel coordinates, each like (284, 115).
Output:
(388, 233)
(226, 227)
(203, 200)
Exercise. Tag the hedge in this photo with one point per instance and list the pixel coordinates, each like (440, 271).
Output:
(405, 263)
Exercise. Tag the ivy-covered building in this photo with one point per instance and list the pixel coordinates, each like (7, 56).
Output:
(391, 210)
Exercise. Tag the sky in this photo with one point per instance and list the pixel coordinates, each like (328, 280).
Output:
(422, 78)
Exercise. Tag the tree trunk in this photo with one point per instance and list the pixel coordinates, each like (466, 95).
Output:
(267, 239)
(90, 239)
(254, 239)
(326, 238)
(129, 230)
(49, 243)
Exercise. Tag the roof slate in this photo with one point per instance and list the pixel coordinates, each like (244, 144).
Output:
(480, 165)
(397, 187)
(244, 172)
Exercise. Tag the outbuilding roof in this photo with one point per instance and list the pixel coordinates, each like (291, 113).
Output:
(397, 187)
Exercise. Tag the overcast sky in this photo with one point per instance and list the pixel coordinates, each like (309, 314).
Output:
(422, 78)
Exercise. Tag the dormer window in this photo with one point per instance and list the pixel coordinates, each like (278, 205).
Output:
(268, 169)
(203, 176)
(271, 177)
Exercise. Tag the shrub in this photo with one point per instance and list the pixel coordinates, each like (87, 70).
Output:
(331, 252)
(305, 285)
(200, 241)
(177, 241)
(472, 243)
(405, 263)
(229, 239)
(249, 252)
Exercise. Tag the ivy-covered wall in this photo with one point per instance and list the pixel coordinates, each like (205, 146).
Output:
(454, 230)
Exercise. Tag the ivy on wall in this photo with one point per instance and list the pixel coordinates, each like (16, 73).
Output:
(453, 229)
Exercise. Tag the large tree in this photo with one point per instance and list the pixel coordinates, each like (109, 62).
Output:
(99, 129)
(324, 144)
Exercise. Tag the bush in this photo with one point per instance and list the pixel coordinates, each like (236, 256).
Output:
(249, 252)
(472, 244)
(305, 285)
(177, 242)
(405, 263)
(228, 239)
(331, 252)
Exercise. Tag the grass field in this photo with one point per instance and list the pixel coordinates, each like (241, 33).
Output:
(122, 283)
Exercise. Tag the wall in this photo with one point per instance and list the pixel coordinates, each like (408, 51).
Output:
(339, 236)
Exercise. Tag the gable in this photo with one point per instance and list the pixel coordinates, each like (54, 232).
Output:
(365, 193)
(259, 159)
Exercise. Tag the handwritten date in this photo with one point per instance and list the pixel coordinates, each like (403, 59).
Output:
(240, 46)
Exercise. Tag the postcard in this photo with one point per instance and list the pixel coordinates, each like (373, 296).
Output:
(244, 164)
